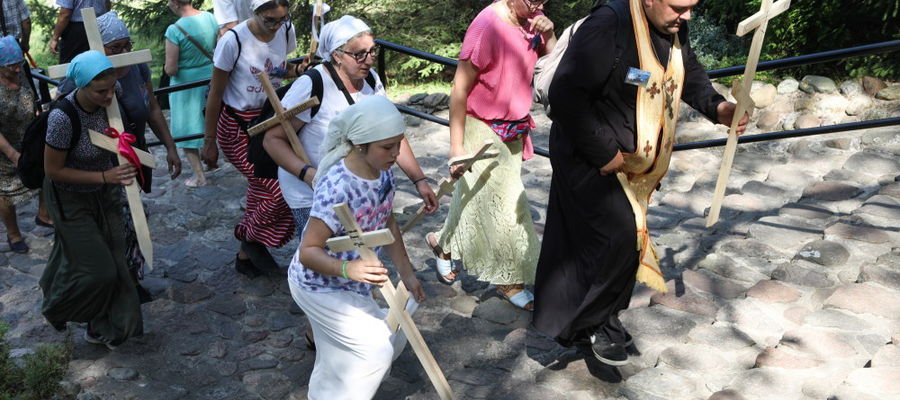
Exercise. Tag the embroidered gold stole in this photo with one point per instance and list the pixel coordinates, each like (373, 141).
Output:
(657, 113)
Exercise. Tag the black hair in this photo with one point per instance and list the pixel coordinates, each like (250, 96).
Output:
(270, 5)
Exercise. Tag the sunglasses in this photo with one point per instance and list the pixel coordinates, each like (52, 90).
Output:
(360, 56)
(119, 48)
(273, 22)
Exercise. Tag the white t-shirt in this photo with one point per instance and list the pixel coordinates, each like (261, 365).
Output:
(231, 11)
(244, 91)
(297, 193)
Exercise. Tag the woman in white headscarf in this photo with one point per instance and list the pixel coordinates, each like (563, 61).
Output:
(348, 49)
(355, 347)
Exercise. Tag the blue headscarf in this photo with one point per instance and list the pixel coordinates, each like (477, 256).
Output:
(10, 52)
(86, 66)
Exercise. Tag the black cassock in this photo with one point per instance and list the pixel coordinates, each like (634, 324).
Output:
(586, 272)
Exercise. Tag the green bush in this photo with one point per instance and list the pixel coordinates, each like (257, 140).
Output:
(38, 377)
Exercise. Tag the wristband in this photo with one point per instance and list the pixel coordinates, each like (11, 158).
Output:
(103, 175)
(302, 173)
(344, 269)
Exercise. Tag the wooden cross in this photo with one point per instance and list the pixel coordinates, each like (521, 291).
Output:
(282, 117)
(313, 39)
(446, 185)
(113, 114)
(757, 22)
(395, 297)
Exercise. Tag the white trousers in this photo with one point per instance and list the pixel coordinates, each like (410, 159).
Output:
(354, 347)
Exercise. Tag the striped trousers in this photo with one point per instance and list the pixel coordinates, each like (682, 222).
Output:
(267, 219)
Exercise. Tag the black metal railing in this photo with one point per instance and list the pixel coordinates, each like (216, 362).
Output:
(808, 59)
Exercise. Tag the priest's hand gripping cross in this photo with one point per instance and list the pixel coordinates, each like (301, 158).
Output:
(396, 298)
(114, 115)
(446, 185)
(282, 117)
(757, 22)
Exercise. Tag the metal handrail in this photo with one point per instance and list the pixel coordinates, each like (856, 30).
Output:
(825, 56)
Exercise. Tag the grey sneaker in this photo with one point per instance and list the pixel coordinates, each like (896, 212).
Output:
(94, 338)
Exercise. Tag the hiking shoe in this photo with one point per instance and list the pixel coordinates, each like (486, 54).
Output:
(93, 338)
(608, 352)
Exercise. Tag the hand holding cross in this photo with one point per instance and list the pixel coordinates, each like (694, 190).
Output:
(446, 185)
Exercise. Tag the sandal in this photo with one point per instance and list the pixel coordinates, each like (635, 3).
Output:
(442, 261)
(521, 298)
(193, 182)
(39, 222)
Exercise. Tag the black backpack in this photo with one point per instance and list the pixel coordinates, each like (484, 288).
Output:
(263, 164)
(30, 167)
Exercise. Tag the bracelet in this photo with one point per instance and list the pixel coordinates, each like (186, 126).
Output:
(416, 182)
(103, 175)
(344, 269)
(302, 173)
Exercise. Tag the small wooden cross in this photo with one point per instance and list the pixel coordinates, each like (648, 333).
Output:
(395, 297)
(654, 90)
(757, 22)
(114, 116)
(282, 117)
(446, 185)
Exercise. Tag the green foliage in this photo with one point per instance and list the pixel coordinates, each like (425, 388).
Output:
(816, 26)
(39, 374)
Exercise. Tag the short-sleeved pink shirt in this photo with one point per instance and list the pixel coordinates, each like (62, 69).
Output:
(505, 63)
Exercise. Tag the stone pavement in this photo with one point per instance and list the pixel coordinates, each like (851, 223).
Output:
(795, 294)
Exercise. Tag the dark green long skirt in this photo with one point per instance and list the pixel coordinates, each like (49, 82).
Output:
(87, 279)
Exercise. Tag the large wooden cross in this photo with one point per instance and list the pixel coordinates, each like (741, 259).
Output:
(317, 22)
(395, 297)
(757, 22)
(113, 114)
(282, 117)
(446, 185)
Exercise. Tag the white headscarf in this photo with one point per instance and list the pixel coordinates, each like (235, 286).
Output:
(111, 27)
(336, 33)
(254, 4)
(371, 119)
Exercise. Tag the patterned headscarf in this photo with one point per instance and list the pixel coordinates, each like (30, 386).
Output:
(112, 28)
(337, 33)
(86, 66)
(10, 52)
(371, 119)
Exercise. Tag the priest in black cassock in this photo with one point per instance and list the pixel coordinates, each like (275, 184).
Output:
(596, 245)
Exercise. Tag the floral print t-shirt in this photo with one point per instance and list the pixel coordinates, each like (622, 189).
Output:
(370, 201)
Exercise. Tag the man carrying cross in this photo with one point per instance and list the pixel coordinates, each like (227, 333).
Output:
(610, 144)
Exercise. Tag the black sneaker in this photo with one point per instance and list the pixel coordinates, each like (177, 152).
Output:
(608, 352)
(246, 267)
(261, 258)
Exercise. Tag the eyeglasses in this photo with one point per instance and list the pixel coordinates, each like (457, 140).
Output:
(360, 56)
(119, 48)
(535, 3)
(273, 22)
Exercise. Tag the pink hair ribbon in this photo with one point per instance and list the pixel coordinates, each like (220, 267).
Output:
(125, 149)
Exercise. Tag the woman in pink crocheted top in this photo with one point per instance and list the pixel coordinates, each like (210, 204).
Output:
(489, 227)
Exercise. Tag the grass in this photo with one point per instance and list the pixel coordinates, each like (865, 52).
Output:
(37, 376)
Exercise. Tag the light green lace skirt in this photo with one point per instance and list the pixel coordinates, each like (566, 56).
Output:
(489, 226)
